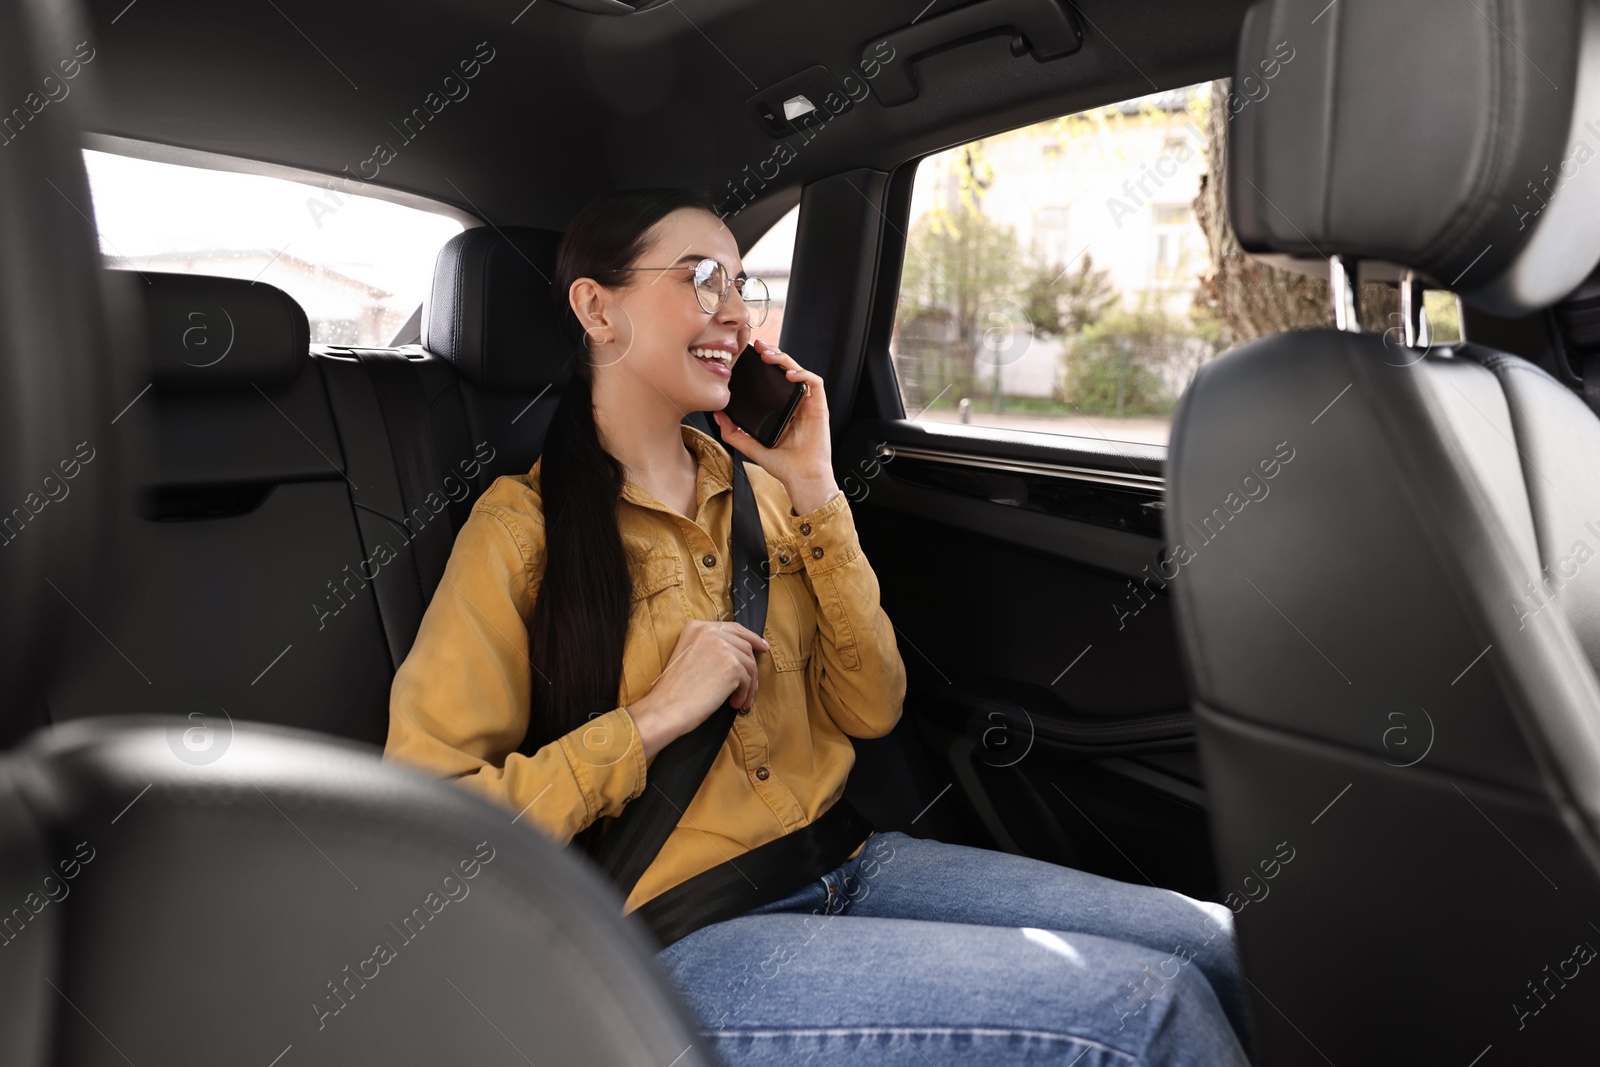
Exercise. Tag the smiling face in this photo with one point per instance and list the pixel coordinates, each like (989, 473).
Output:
(653, 322)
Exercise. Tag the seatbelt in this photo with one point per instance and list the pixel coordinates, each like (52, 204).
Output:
(635, 839)
(766, 873)
(392, 464)
(770, 871)
(416, 459)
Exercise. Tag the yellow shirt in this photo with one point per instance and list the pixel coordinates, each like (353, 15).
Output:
(459, 705)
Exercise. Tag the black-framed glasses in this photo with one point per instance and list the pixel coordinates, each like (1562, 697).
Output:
(712, 285)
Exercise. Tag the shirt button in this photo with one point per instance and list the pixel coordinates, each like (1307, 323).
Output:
(805, 528)
(742, 711)
(709, 560)
(762, 773)
(816, 552)
(783, 560)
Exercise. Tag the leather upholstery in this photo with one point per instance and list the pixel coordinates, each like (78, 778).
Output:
(187, 892)
(1426, 499)
(294, 891)
(1391, 646)
(498, 356)
(243, 512)
(211, 334)
(1457, 142)
(491, 312)
(1389, 592)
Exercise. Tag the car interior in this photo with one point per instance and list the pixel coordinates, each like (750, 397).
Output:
(1114, 662)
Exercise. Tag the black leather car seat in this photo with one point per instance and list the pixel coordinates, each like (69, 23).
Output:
(239, 584)
(1389, 555)
(429, 428)
(175, 897)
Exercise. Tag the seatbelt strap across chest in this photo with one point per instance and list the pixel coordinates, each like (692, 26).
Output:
(634, 841)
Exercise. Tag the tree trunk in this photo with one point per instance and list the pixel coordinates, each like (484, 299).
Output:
(1249, 298)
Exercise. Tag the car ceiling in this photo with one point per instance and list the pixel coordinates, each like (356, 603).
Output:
(575, 103)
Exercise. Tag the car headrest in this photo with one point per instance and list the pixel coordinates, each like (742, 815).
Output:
(1455, 141)
(491, 312)
(208, 334)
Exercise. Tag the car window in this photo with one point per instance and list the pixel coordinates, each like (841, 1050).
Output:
(769, 259)
(358, 265)
(1072, 276)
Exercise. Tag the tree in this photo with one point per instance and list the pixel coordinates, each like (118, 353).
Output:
(1059, 301)
(1248, 297)
(957, 262)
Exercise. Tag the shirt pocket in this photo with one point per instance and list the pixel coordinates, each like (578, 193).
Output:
(659, 613)
(791, 626)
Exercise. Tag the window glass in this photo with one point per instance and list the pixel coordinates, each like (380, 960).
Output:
(1072, 276)
(769, 259)
(1444, 317)
(359, 266)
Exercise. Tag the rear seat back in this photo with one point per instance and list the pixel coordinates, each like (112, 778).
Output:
(491, 319)
(429, 428)
(301, 505)
(234, 589)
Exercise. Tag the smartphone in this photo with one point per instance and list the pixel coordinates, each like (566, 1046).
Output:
(761, 399)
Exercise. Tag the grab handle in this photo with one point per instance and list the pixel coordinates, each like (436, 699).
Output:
(1047, 28)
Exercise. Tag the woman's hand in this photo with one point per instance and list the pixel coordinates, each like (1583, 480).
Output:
(803, 457)
(710, 661)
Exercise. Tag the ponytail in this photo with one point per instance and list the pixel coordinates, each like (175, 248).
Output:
(580, 617)
(585, 593)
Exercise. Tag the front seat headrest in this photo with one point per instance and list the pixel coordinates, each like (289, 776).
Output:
(490, 310)
(1420, 134)
(209, 334)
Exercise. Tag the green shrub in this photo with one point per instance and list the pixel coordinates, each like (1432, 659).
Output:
(1119, 365)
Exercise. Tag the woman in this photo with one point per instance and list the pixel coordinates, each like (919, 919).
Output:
(600, 580)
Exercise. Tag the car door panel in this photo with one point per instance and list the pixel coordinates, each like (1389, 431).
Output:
(1042, 660)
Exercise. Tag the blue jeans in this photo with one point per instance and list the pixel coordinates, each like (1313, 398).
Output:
(925, 953)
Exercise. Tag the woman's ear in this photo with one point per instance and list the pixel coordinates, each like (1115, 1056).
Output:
(589, 307)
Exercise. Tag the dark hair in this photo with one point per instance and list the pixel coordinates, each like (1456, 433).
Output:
(580, 618)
